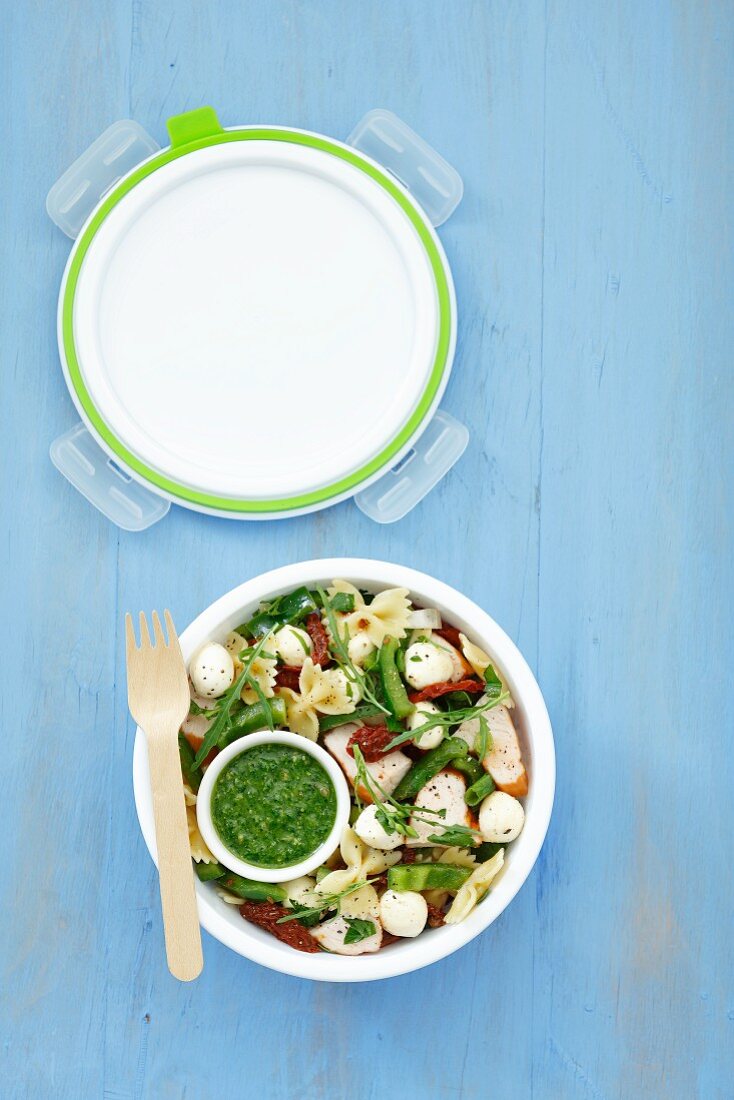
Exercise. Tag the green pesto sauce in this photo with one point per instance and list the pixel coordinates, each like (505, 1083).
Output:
(273, 805)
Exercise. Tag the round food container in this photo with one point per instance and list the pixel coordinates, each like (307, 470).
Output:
(257, 321)
(224, 921)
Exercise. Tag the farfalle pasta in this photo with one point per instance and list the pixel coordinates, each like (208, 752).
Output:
(475, 888)
(385, 616)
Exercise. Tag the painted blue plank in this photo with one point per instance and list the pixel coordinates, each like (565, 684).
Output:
(591, 516)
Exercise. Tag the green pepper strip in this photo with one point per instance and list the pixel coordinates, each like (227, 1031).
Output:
(292, 608)
(486, 850)
(426, 876)
(191, 774)
(207, 872)
(252, 890)
(392, 684)
(430, 765)
(479, 790)
(252, 717)
(470, 768)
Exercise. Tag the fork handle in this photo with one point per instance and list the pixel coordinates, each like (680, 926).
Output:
(178, 893)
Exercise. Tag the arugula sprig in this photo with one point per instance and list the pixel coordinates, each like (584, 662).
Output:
(457, 836)
(447, 718)
(395, 816)
(340, 647)
(326, 901)
(484, 740)
(227, 701)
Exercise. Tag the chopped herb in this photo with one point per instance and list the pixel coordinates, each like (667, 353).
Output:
(456, 836)
(342, 602)
(493, 682)
(358, 929)
(305, 916)
(484, 739)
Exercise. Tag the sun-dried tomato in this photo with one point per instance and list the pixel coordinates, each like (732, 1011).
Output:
(196, 742)
(408, 855)
(435, 916)
(288, 677)
(266, 914)
(387, 939)
(372, 740)
(319, 639)
(449, 634)
(434, 691)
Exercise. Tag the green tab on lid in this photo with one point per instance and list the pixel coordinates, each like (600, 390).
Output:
(192, 125)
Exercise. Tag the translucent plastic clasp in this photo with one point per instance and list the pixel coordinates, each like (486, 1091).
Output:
(97, 477)
(430, 179)
(75, 194)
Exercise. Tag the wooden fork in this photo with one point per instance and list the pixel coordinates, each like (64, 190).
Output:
(158, 697)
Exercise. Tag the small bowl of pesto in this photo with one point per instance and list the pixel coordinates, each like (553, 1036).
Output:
(272, 806)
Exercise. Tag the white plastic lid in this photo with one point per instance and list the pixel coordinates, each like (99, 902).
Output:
(264, 323)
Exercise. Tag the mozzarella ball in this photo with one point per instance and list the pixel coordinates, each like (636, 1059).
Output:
(426, 664)
(293, 645)
(345, 686)
(501, 818)
(369, 829)
(404, 914)
(360, 647)
(211, 670)
(460, 667)
(431, 738)
(299, 889)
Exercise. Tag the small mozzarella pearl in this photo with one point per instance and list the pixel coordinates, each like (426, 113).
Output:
(431, 738)
(211, 670)
(426, 664)
(293, 645)
(501, 818)
(403, 914)
(369, 829)
(360, 647)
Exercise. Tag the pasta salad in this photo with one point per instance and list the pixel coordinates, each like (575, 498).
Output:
(420, 722)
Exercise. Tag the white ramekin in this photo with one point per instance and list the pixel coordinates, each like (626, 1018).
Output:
(224, 921)
(252, 870)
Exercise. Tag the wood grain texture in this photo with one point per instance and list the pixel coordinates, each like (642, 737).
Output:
(591, 516)
(158, 698)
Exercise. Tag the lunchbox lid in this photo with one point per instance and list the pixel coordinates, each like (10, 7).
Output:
(258, 320)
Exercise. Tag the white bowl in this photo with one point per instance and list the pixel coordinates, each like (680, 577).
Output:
(224, 921)
(251, 870)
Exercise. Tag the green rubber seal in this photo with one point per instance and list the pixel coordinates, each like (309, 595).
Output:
(198, 130)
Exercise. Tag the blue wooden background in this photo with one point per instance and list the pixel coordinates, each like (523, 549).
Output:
(592, 516)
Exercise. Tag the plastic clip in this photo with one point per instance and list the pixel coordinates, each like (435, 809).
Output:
(74, 196)
(397, 492)
(430, 179)
(97, 477)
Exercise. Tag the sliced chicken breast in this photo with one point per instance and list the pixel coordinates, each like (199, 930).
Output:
(198, 724)
(331, 935)
(504, 763)
(388, 771)
(444, 792)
